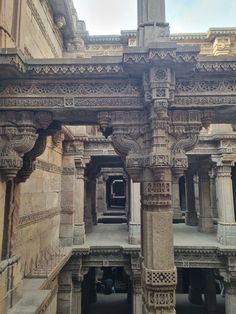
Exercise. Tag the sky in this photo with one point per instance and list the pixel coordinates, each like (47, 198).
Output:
(110, 16)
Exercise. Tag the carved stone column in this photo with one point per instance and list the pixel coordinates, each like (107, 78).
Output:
(212, 175)
(101, 194)
(88, 207)
(137, 293)
(205, 218)
(68, 185)
(176, 174)
(191, 214)
(79, 227)
(158, 271)
(226, 232)
(135, 213)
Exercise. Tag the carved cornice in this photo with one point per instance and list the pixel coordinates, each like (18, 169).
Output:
(74, 69)
(164, 54)
(216, 67)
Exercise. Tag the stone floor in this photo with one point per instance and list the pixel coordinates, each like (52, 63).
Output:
(111, 304)
(117, 234)
(116, 304)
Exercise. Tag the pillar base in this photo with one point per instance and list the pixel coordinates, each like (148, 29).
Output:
(177, 214)
(191, 218)
(226, 233)
(134, 233)
(206, 224)
(79, 234)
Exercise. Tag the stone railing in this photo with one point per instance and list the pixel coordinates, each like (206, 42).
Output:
(10, 283)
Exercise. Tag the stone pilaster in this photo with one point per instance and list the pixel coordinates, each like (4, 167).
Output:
(226, 232)
(135, 213)
(176, 174)
(205, 218)
(191, 214)
(68, 186)
(79, 227)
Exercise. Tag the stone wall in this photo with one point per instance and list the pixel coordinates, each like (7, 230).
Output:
(39, 212)
(29, 26)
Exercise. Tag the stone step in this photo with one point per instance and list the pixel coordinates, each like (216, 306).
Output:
(114, 213)
(112, 219)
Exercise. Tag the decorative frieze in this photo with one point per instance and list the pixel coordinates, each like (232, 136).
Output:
(205, 86)
(47, 166)
(75, 69)
(37, 217)
(208, 101)
(84, 89)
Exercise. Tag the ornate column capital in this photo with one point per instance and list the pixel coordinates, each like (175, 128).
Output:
(17, 137)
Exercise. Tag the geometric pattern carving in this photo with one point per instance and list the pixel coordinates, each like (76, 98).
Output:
(161, 299)
(160, 278)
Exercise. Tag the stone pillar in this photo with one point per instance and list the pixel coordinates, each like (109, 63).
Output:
(191, 214)
(205, 218)
(151, 21)
(93, 201)
(176, 174)
(64, 297)
(230, 297)
(226, 232)
(158, 270)
(88, 207)
(212, 175)
(68, 182)
(77, 296)
(196, 193)
(195, 289)
(101, 195)
(135, 213)
(209, 290)
(79, 227)
(137, 295)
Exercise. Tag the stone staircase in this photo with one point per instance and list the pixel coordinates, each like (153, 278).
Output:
(113, 216)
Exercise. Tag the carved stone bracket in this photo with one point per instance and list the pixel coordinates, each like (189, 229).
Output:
(18, 137)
